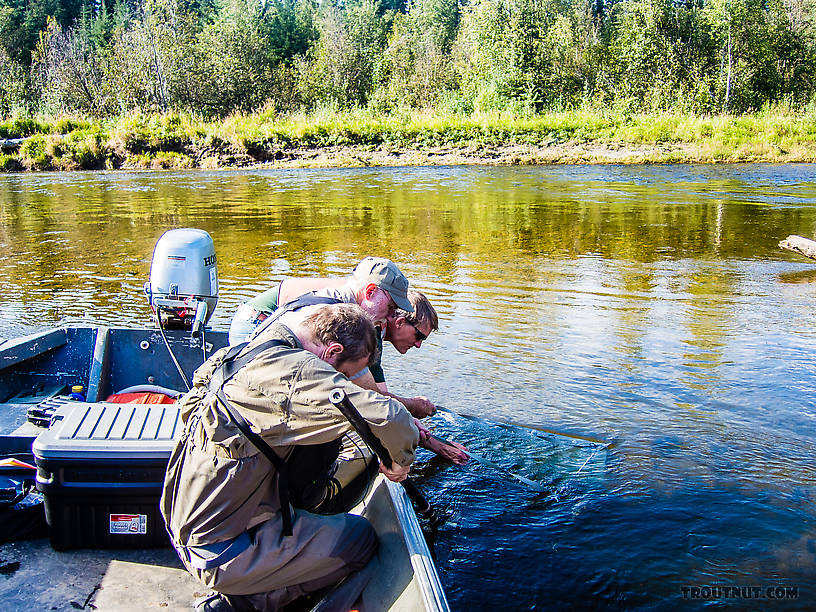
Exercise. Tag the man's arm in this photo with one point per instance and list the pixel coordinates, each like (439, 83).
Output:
(419, 407)
(397, 473)
(452, 452)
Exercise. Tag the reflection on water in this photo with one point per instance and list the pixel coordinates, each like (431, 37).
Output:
(650, 306)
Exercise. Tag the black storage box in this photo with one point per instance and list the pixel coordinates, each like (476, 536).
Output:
(101, 468)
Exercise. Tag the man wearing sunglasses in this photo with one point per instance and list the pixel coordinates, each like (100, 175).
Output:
(406, 330)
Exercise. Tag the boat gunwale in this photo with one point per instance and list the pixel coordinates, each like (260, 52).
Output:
(426, 576)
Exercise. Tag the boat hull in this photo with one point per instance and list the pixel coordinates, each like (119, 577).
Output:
(402, 576)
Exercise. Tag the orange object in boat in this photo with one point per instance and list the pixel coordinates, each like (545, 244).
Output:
(140, 398)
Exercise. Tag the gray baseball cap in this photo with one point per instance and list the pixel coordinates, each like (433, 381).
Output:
(387, 276)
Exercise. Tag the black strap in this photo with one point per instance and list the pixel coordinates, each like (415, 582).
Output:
(341, 401)
(309, 299)
(233, 362)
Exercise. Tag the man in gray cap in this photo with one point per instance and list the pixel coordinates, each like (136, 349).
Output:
(377, 285)
(385, 274)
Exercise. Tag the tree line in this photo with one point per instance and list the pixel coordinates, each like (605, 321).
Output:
(216, 57)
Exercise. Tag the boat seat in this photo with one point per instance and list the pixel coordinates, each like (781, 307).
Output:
(14, 352)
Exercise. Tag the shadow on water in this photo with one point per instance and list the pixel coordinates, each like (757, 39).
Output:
(799, 277)
(602, 537)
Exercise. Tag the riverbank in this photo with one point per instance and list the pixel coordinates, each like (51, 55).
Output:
(359, 138)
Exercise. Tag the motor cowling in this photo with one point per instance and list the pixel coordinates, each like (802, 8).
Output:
(183, 285)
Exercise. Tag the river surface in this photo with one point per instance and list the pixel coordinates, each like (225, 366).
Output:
(647, 306)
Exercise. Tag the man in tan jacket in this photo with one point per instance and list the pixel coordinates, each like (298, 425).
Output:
(222, 499)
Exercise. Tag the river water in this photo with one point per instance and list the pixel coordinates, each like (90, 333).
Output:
(647, 306)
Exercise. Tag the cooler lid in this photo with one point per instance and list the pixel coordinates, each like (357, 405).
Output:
(100, 430)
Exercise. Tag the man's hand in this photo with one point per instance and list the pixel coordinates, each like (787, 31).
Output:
(397, 473)
(419, 406)
(452, 451)
(424, 432)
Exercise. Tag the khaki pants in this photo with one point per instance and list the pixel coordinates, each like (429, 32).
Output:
(274, 571)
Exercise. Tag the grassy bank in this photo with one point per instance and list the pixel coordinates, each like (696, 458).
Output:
(361, 138)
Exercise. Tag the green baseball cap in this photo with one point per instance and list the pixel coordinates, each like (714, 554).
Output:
(387, 276)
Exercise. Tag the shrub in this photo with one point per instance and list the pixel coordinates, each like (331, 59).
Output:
(34, 153)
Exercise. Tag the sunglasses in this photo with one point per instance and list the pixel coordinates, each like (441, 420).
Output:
(420, 337)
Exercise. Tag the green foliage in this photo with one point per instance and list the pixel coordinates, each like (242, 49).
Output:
(20, 127)
(179, 140)
(242, 73)
(416, 69)
(346, 56)
(643, 54)
(138, 133)
(69, 66)
(82, 150)
(525, 55)
(219, 57)
(15, 87)
(34, 153)
(330, 128)
(289, 27)
(21, 23)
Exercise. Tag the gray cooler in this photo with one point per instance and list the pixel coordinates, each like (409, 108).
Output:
(101, 468)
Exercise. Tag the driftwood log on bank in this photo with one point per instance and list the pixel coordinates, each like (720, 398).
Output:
(800, 245)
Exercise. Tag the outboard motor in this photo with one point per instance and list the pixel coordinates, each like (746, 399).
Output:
(183, 286)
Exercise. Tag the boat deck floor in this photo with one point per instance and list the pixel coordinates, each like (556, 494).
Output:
(33, 576)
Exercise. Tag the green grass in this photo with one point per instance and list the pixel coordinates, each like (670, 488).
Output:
(174, 140)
